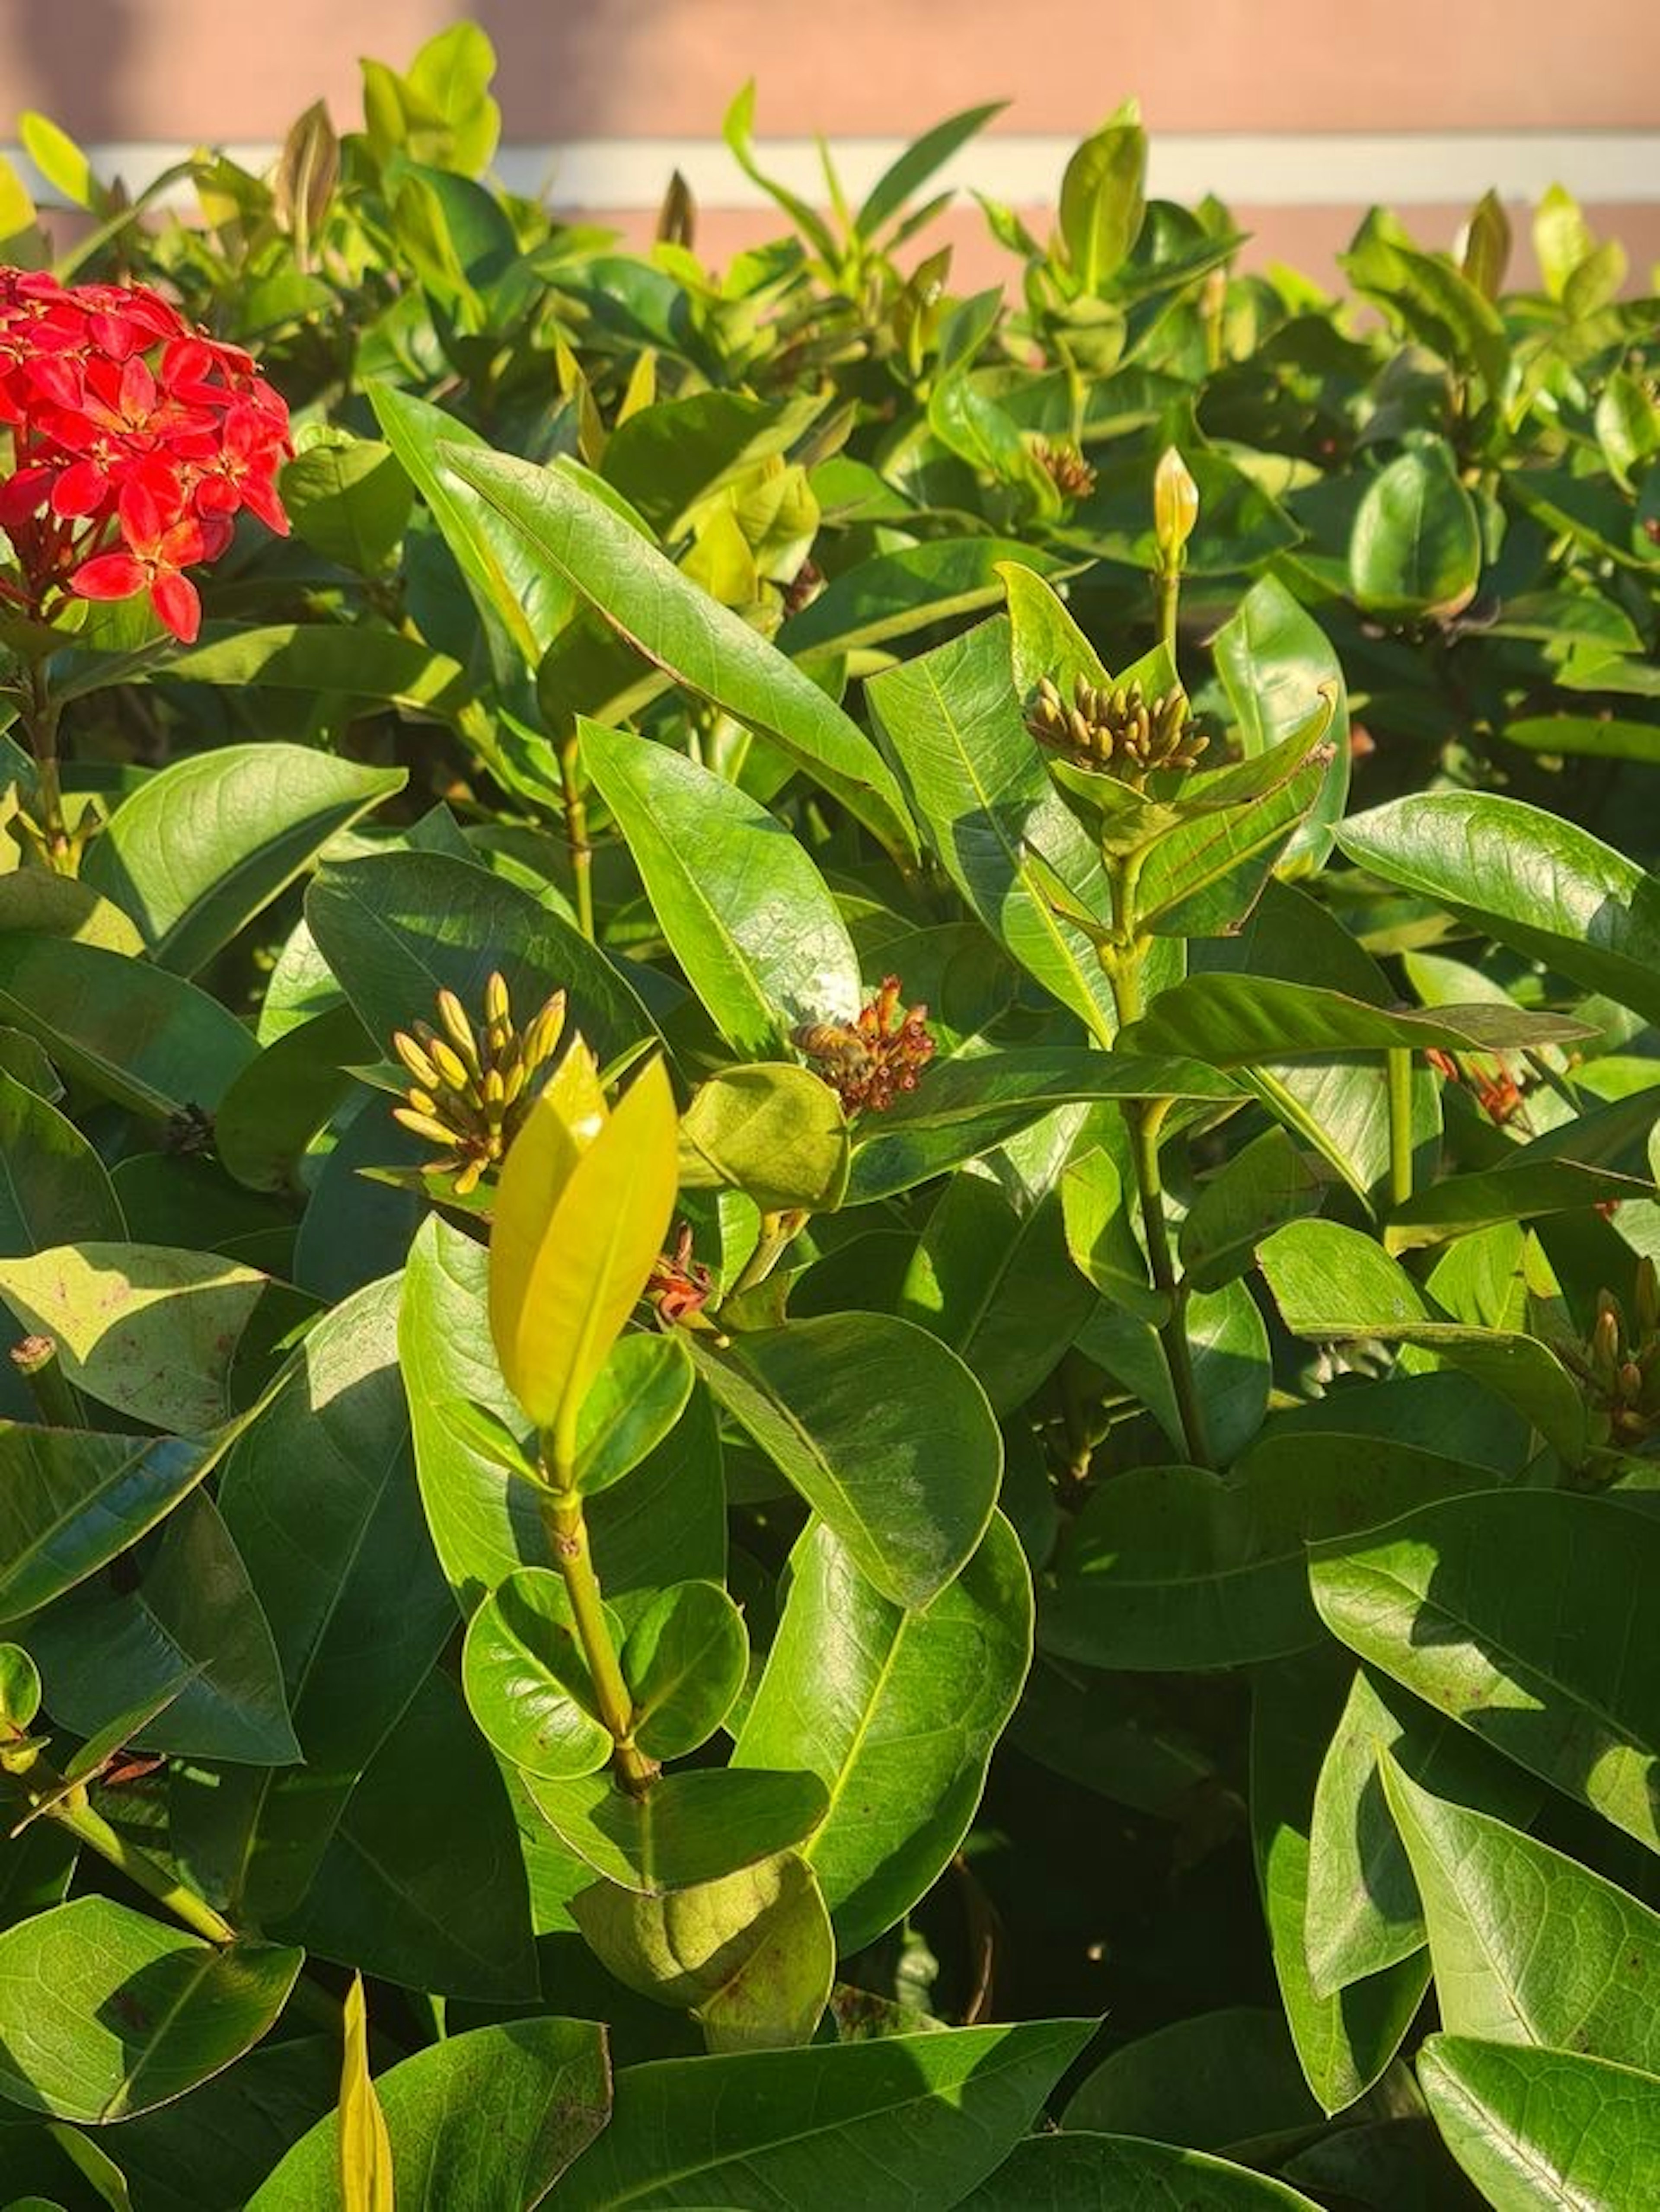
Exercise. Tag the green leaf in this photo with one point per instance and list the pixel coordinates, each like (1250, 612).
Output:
(1345, 2040)
(681, 630)
(1527, 1947)
(896, 1711)
(684, 1662)
(747, 913)
(1364, 1911)
(1274, 660)
(1215, 2081)
(358, 1609)
(105, 2013)
(696, 1825)
(526, 1682)
(669, 460)
(147, 1329)
(970, 1085)
(902, 178)
(195, 1612)
(349, 499)
(271, 1111)
(834, 1402)
(752, 1956)
(1415, 548)
(70, 1502)
(1534, 882)
(129, 1030)
(1076, 2172)
(976, 780)
(421, 1887)
(1174, 1568)
(202, 846)
(492, 2117)
(775, 1130)
(894, 593)
(1267, 1183)
(1514, 1610)
(53, 1187)
(1544, 2129)
(1235, 1020)
(828, 2124)
(631, 1406)
(665, 1521)
(397, 927)
(1333, 1283)
(1102, 199)
(328, 661)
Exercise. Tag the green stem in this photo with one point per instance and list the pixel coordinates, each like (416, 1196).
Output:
(40, 720)
(1144, 1119)
(576, 836)
(1399, 1058)
(1168, 582)
(568, 1535)
(778, 1232)
(74, 1813)
(36, 1360)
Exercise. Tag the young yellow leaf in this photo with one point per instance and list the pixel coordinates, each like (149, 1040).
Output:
(581, 1211)
(365, 2146)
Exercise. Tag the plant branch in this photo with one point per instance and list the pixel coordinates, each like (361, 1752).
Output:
(1399, 1058)
(568, 1535)
(576, 836)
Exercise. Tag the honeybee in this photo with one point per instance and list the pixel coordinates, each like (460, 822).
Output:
(839, 1047)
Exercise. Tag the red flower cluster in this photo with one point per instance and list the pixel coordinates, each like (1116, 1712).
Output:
(136, 440)
(868, 1060)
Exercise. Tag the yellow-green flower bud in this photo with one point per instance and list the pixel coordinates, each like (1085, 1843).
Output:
(1174, 507)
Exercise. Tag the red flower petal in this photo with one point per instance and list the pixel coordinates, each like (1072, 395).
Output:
(175, 598)
(109, 576)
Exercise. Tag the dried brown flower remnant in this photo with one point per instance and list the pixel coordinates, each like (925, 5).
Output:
(868, 1060)
(1116, 729)
(680, 1287)
(472, 1086)
(1065, 467)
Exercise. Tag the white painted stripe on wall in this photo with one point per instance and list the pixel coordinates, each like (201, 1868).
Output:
(1253, 169)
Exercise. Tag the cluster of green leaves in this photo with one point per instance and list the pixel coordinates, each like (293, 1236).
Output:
(1157, 1524)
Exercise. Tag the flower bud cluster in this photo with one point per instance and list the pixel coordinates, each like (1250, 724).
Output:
(1620, 1365)
(1064, 465)
(1116, 729)
(473, 1087)
(135, 440)
(868, 1060)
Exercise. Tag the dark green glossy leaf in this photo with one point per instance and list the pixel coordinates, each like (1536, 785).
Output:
(1233, 1020)
(1516, 1612)
(1542, 2128)
(835, 2121)
(1217, 2080)
(1527, 1947)
(526, 1682)
(680, 629)
(1416, 545)
(894, 593)
(1076, 2172)
(1267, 1183)
(490, 2118)
(898, 1713)
(349, 498)
(324, 659)
(1534, 882)
(126, 1029)
(421, 1887)
(969, 1085)
(397, 927)
(684, 1662)
(694, 1826)
(1274, 659)
(202, 846)
(747, 913)
(69, 1502)
(833, 1402)
(1345, 2040)
(1363, 1910)
(275, 1106)
(1171, 1567)
(209, 2151)
(195, 1612)
(105, 2013)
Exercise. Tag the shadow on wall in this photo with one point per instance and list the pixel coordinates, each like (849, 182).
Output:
(50, 46)
(564, 71)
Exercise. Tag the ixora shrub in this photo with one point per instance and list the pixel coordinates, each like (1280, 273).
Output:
(834, 1363)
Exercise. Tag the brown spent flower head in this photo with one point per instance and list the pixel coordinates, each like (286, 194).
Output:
(1062, 463)
(1116, 730)
(679, 1286)
(472, 1086)
(868, 1060)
